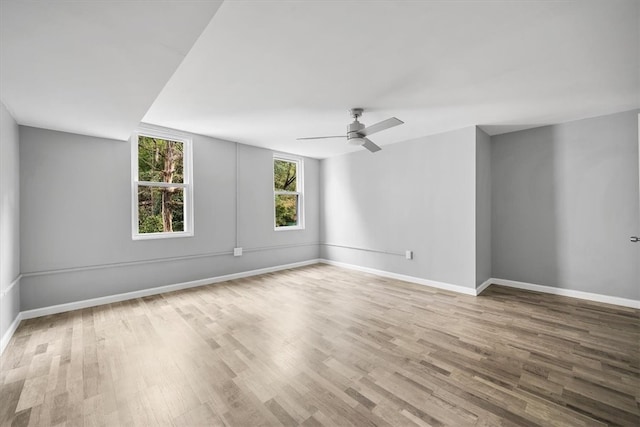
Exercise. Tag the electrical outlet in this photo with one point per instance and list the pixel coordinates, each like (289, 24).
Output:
(237, 251)
(408, 254)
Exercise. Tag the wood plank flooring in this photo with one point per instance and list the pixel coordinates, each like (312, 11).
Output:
(325, 346)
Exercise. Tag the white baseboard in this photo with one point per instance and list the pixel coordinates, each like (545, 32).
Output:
(625, 302)
(7, 335)
(60, 308)
(44, 311)
(405, 278)
(484, 286)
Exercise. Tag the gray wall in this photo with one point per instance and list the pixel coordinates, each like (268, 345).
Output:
(9, 221)
(418, 196)
(483, 207)
(76, 214)
(564, 200)
(564, 203)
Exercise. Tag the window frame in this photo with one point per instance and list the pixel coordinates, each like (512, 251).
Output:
(299, 161)
(186, 185)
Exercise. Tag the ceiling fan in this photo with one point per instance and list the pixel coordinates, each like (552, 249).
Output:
(357, 133)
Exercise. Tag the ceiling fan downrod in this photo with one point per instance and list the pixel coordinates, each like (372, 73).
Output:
(353, 137)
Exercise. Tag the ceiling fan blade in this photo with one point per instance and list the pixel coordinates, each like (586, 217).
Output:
(385, 124)
(322, 137)
(369, 145)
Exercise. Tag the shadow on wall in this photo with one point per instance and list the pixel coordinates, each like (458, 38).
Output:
(564, 203)
(502, 129)
(524, 212)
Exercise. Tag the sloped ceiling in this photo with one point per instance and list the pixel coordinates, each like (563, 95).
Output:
(267, 72)
(92, 67)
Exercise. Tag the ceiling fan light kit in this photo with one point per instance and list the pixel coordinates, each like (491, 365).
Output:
(357, 132)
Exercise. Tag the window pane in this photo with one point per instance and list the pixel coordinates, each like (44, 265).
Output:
(286, 210)
(160, 160)
(284, 175)
(160, 210)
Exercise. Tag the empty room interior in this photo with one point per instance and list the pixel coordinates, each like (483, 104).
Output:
(320, 213)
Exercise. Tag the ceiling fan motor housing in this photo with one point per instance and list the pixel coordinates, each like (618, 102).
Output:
(353, 137)
(357, 132)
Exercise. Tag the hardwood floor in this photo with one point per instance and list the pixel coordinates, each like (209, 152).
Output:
(325, 346)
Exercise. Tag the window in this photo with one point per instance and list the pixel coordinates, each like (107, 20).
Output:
(162, 186)
(288, 193)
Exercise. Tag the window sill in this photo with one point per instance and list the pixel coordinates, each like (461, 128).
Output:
(155, 236)
(289, 228)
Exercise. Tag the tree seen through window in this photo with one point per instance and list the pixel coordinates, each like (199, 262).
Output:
(160, 206)
(286, 192)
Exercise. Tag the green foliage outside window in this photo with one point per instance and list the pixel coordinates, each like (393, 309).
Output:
(160, 209)
(284, 175)
(285, 180)
(286, 210)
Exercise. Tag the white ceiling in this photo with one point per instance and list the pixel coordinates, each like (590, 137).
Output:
(266, 72)
(92, 67)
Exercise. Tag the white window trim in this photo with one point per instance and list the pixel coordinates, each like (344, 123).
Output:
(187, 185)
(299, 185)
